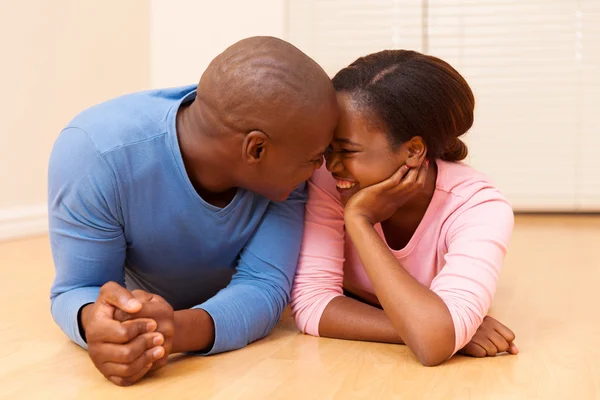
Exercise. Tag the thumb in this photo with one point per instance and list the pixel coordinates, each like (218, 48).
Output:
(142, 296)
(114, 295)
(513, 349)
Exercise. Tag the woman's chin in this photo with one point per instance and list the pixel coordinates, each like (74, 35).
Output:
(344, 200)
(345, 195)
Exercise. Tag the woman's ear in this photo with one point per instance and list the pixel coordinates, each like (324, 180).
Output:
(417, 152)
(254, 147)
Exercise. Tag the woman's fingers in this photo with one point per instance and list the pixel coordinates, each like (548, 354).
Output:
(414, 179)
(513, 349)
(474, 350)
(504, 331)
(500, 342)
(422, 177)
(398, 176)
(489, 347)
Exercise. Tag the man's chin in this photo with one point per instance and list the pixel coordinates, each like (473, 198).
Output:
(280, 196)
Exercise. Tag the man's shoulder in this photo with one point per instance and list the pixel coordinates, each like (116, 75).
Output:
(129, 118)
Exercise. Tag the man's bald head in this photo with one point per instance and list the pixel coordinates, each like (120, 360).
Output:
(268, 111)
(261, 82)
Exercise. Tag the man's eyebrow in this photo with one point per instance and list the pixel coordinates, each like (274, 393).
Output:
(321, 153)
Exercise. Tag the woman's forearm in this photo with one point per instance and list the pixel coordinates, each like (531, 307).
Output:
(347, 318)
(418, 315)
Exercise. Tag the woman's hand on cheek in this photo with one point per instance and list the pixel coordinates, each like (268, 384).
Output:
(379, 202)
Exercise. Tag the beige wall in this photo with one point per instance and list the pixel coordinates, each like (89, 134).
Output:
(186, 34)
(61, 56)
(58, 57)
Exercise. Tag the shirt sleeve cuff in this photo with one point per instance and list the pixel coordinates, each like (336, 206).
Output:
(65, 308)
(311, 325)
(226, 329)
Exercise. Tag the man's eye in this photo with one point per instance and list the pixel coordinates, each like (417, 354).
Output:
(346, 151)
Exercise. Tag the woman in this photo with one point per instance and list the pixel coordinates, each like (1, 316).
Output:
(398, 222)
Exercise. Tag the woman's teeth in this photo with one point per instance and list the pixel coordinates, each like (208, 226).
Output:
(345, 184)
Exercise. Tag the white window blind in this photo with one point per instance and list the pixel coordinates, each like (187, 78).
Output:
(337, 32)
(534, 66)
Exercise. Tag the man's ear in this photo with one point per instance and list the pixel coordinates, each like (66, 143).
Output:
(254, 147)
(417, 151)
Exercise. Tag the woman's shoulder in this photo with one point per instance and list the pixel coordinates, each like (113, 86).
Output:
(464, 182)
(472, 197)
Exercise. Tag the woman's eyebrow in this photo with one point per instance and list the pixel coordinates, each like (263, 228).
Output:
(347, 141)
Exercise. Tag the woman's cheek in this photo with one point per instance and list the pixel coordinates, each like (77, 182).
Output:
(371, 173)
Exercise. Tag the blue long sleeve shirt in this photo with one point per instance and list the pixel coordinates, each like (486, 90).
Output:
(122, 208)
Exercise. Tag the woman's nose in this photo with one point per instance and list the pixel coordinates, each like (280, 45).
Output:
(332, 161)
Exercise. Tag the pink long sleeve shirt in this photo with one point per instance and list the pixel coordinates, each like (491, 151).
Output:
(457, 250)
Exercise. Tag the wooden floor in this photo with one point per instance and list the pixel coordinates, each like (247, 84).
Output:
(549, 295)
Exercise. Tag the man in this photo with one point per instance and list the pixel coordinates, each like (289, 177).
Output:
(176, 215)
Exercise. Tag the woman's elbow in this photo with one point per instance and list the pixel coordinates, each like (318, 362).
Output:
(432, 359)
(434, 351)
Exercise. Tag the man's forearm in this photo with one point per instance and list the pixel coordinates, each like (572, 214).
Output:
(194, 331)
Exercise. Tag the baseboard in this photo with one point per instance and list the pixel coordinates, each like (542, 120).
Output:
(21, 222)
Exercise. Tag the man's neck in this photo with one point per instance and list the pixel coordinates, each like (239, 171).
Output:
(206, 163)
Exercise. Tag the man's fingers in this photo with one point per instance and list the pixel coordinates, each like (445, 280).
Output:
(111, 331)
(120, 381)
(140, 374)
(129, 352)
(513, 349)
(136, 327)
(146, 299)
(153, 310)
(168, 345)
(132, 379)
(144, 362)
(142, 295)
(158, 364)
(115, 295)
(122, 316)
(498, 341)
